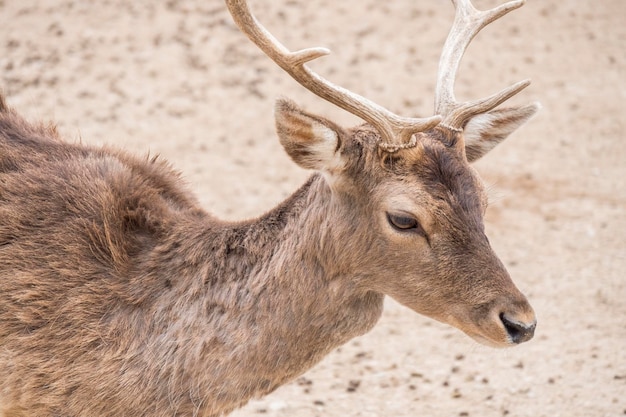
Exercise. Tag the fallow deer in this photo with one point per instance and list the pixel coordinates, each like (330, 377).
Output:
(120, 296)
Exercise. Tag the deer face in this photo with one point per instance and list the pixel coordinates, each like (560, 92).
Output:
(414, 218)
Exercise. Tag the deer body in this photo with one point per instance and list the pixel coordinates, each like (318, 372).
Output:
(119, 295)
(154, 301)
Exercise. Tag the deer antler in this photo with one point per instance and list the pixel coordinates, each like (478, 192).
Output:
(396, 131)
(468, 21)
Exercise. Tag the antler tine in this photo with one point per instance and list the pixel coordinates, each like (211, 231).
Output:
(468, 21)
(396, 131)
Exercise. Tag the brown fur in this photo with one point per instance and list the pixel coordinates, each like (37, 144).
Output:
(120, 296)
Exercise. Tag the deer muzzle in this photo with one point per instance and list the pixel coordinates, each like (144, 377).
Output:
(509, 321)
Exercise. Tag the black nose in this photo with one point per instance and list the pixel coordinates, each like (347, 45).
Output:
(518, 332)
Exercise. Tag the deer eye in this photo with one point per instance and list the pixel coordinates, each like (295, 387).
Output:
(403, 222)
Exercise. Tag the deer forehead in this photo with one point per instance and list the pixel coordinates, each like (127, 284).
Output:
(432, 174)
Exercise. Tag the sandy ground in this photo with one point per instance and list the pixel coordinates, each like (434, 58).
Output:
(176, 78)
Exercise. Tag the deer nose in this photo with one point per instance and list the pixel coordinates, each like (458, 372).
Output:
(518, 331)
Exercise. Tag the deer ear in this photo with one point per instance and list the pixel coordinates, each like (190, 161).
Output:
(311, 141)
(484, 131)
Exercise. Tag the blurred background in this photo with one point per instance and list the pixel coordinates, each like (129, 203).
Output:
(176, 78)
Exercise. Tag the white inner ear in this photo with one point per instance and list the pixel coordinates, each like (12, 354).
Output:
(325, 147)
(477, 126)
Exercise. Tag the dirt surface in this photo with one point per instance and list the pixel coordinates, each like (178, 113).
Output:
(177, 78)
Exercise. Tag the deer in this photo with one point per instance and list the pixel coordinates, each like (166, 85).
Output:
(121, 296)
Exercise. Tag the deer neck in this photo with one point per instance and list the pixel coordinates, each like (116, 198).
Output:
(289, 259)
(269, 297)
(307, 261)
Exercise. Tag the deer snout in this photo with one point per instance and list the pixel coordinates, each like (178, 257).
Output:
(519, 329)
(506, 321)
(517, 319)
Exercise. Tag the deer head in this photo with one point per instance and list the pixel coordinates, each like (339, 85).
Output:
(411, 205)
